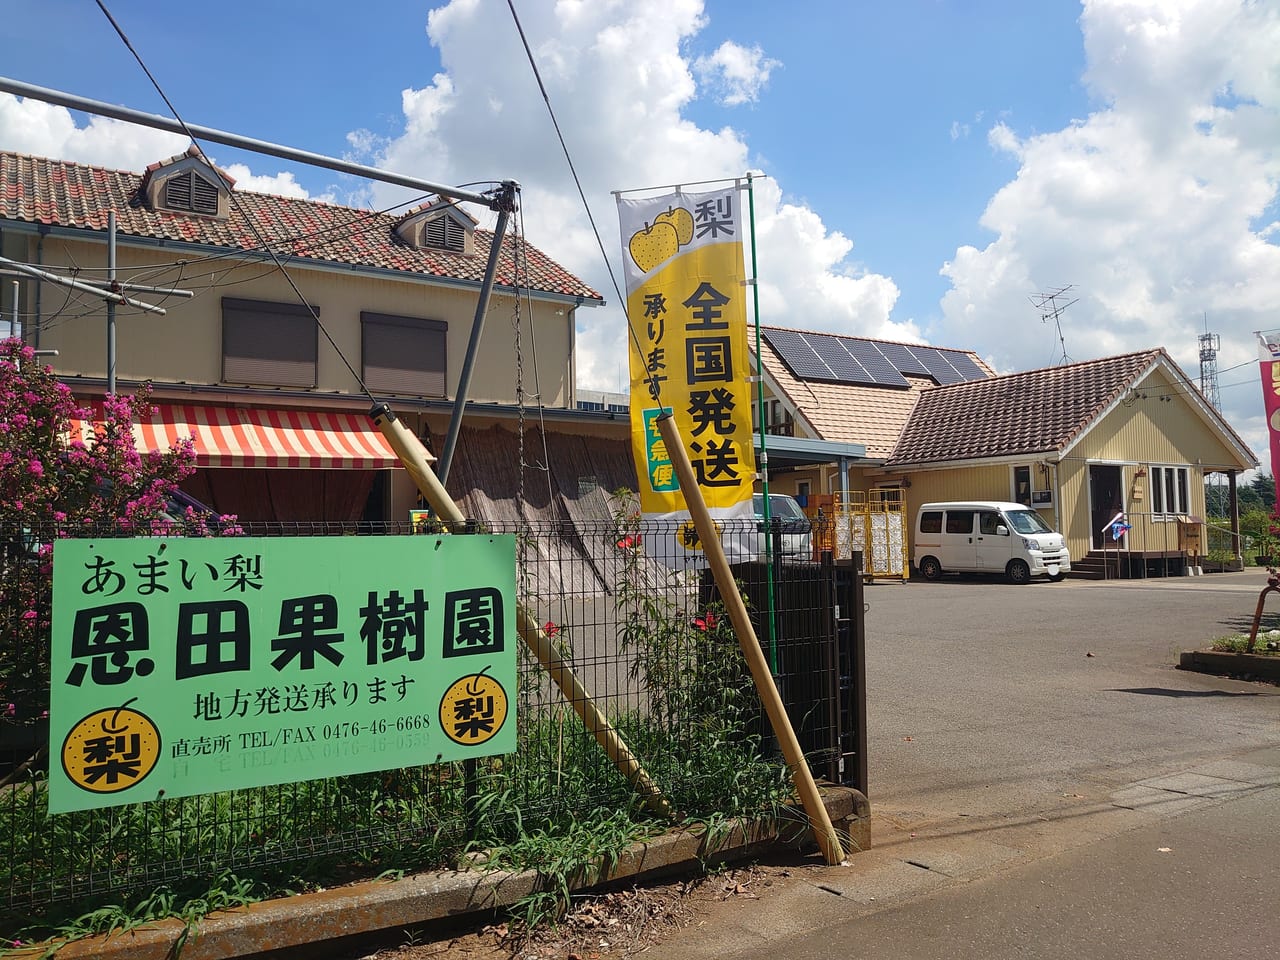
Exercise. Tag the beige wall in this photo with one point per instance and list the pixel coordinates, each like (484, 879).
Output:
(186, 346)
(1134, 436)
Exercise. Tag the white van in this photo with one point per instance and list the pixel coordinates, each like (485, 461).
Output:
(987, 537)
(796, 540)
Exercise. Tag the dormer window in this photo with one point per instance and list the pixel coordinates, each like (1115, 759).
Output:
(187, 183)
(446, 233)
(190, 191)
(440, 225)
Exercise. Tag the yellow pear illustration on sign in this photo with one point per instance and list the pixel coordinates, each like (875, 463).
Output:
(681, 219)
(654, 244)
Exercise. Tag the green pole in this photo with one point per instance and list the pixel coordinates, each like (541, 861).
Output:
(764, 453)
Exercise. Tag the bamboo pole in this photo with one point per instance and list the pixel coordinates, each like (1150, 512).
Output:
(417, 460)
(801, 776)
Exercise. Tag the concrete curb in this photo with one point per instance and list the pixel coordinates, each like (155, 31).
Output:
(370, 907)
(1231, 664)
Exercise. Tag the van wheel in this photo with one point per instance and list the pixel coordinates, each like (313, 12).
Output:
(930, 568)
(1018, 572)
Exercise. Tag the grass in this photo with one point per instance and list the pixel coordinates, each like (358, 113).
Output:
(557, 806)
(1267, 643)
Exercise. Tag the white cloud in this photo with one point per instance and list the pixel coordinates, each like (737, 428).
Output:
(1159, 207)
(735, 72)
(43, 130)
(620, 78)
(281, 185)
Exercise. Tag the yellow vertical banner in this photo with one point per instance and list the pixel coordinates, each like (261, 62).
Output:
(686, 305)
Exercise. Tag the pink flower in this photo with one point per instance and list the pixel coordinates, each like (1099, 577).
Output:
(29, 615)
(10, 710)
(35, 468)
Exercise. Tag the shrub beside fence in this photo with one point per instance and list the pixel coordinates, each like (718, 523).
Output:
(650, 645)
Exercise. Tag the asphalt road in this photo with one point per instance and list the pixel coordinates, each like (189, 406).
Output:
(1011, 693)
(1045, 783)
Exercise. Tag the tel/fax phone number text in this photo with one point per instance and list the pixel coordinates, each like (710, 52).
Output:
(327, 732)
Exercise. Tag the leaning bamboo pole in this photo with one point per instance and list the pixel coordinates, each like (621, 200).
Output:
(417, 460)
(801, 776)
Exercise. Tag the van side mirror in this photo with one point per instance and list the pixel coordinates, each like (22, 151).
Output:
(1001, 530)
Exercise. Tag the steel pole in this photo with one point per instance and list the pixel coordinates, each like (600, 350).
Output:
(477, 328)
(72, 102)
(111, 307)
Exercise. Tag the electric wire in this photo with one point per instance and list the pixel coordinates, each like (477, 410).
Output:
(252, 226)
(654, 385)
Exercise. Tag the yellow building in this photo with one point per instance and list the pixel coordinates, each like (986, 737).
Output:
(270, 368)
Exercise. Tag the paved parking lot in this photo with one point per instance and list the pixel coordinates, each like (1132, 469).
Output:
(983, 694)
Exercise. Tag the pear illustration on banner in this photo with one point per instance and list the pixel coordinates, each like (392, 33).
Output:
(681, 219)
(653, 245)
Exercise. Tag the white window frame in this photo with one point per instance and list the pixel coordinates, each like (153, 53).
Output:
(1170, 483)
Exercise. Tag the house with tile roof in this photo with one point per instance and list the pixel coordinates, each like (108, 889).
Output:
(1079, 443)
(268, 365)
(1082, 443)
(850, 390)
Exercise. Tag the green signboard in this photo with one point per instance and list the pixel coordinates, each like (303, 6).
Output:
(189, 666)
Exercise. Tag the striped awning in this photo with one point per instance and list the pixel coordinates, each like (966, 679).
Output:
(276, 439)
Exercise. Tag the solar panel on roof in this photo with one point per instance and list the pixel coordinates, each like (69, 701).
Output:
(868, 354)
(844, 368)
(965, 366)
(939, 367)
(903, 360)
(797, 354)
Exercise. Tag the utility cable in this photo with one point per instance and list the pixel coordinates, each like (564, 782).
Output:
(654, 386)
(248, 221)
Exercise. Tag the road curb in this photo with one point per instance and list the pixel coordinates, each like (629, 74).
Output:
(374, 906)
(1226, 663)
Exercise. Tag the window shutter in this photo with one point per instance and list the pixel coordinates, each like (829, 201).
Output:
(445, 233)
(273, 344)
(204, 195)
(177, 193)
(404, 355)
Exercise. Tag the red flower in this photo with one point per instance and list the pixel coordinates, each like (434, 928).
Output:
(706, 622)
(629, 542)
(550, 628)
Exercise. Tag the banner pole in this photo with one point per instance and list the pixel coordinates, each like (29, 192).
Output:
(801, 775)
(417, 461)
(763, 465)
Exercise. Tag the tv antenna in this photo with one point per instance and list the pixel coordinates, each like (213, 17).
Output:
(1050, 309)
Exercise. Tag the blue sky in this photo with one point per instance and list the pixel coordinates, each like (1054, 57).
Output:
(930, 164)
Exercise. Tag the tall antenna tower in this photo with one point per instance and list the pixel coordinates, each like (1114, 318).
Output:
(1051, 309)
(1215, 491)
(1210, 344)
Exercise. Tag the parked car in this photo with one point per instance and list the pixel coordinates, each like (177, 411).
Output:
(796, 532)
(988, 537)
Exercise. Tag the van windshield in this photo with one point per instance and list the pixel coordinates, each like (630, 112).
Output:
(1027, 521)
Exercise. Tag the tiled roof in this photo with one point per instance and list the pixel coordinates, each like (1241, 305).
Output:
(873, 416)
(73, 195)
(1037, 411)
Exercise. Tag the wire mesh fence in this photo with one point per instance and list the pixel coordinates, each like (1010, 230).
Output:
(651, 646)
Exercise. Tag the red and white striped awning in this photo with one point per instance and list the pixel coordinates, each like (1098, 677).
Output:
(276, 439)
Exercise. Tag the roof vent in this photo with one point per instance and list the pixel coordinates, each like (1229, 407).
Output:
(440, 225)
(187, 183)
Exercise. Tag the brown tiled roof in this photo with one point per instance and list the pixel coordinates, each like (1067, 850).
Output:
(73, 195)
(1038, 411)
(848, 413)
